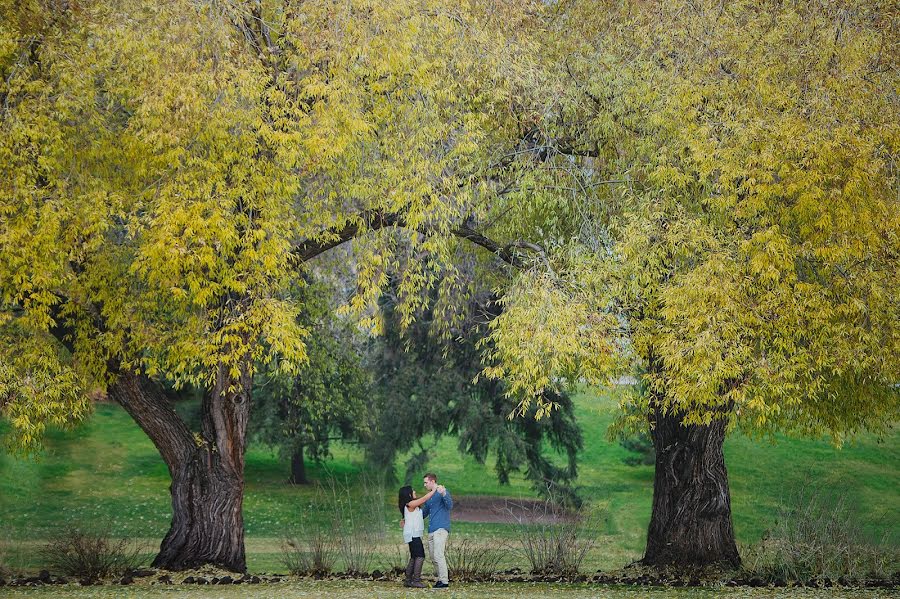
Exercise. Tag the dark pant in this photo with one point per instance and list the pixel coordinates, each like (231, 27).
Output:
(416, 549)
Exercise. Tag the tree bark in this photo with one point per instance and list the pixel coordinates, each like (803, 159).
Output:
(298, 467)
(207, 470)
(207, 518)
(690, 525)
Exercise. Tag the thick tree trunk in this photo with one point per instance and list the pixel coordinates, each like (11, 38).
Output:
(207, 470)
(691, 521)
(207, 521)
(298, 467)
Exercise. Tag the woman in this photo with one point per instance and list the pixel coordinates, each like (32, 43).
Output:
(413, 530)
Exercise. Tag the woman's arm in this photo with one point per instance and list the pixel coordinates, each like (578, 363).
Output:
(417, 502)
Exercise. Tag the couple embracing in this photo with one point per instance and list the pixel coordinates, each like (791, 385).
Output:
(434, 505)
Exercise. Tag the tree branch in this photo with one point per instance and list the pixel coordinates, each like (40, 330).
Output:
(505, 252)
(145, 400)
(375, 220)
(148, 405)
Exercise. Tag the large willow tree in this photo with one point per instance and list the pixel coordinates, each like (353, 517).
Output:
(735, 165)
(168, 168)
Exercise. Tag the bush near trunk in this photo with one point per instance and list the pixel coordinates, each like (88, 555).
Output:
(552, 539)
(311, 555)
(820, 535)
(4, 568)
(84, 554)
(349, 534)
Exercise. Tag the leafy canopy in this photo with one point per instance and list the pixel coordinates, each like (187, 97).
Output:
(166, 161)
(739, 240)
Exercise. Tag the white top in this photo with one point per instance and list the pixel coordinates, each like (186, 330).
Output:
(413, 525)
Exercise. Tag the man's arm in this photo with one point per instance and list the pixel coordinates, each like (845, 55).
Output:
(425, 509)
(448, 501)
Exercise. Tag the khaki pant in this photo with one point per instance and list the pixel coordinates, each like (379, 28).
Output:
(437, 542)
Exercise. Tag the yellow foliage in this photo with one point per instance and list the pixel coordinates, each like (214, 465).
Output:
(162, 160)
(752, 252)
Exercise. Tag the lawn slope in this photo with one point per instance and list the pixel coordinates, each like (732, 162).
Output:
(107, 474)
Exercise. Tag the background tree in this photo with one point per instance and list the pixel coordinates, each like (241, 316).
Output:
(638, 443)
(425, 387)
(326, 400)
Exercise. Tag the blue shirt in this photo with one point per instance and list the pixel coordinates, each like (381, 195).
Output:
(437, 510)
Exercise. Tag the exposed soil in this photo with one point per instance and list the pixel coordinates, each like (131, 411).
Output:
(505, 510)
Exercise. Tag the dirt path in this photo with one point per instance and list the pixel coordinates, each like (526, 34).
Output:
(503, 510)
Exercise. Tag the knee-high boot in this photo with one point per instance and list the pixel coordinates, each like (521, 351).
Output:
(410, 568)
(416, 581)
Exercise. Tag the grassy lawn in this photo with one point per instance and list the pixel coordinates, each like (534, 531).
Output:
(107, 474)
(365, 590)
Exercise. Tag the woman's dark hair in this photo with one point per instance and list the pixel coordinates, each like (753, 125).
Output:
(405, 496)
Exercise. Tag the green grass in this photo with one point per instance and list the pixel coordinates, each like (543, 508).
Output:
(108, 472)
(367, 590)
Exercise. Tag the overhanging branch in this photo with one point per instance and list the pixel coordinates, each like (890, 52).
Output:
(506, 252)
(375, 220)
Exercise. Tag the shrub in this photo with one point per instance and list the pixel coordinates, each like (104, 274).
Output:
(348, 531)
(818, 535)
(4, 568)
(311, 555)
(395, 560)
(9, 553)
(357, 549)
(553, 540)
(80, 553)
(467, 560)
(358, 529)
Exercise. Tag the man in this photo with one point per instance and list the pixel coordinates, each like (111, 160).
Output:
(437, 510)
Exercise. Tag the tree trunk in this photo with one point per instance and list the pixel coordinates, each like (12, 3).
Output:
(207, 470)
(207, 521)
(298, 467)
(691, 521)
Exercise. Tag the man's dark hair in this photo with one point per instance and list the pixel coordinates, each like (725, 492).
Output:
(431, 476)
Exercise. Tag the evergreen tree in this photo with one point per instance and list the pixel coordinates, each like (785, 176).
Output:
(301, 414)
(425, 387)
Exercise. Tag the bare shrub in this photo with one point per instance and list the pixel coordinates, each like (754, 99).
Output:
(552, 539)
(310, 555)
(818, 535)
(84, 554)
(4, 567)
(357, 551)
(10, 553)
(312, 549)
(358, 528)
(395, 560)
(470, 561)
